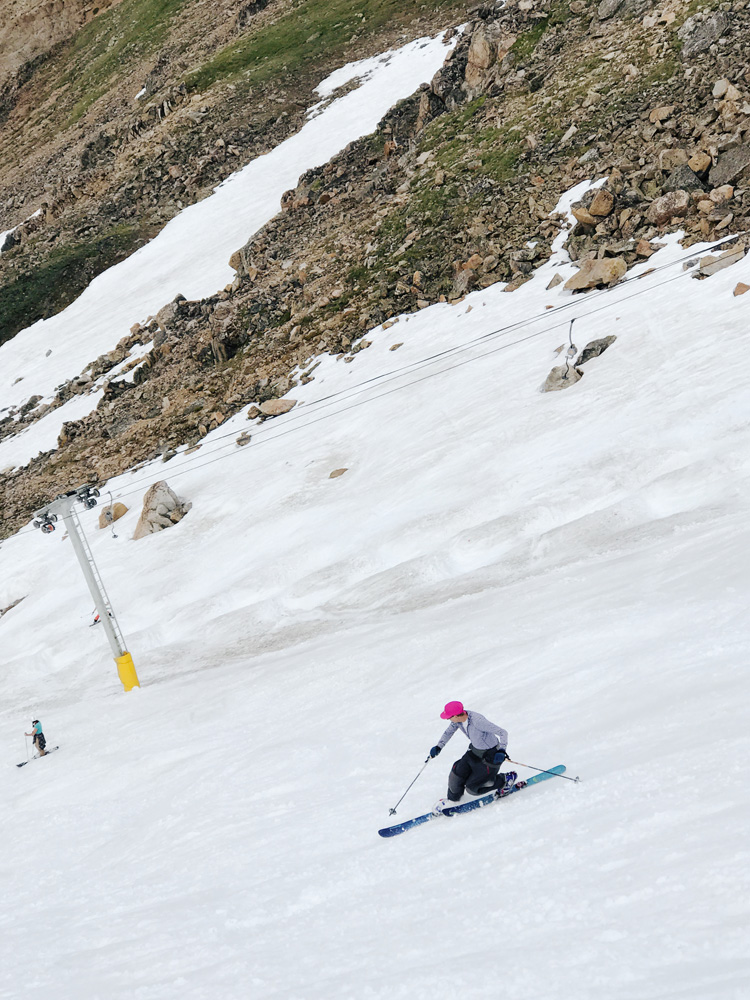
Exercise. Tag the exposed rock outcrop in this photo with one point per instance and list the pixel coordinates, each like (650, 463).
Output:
(161, 509)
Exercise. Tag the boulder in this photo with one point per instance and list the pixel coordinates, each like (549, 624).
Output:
(731, 164)
(740, 288)
(108, 515)
(698, 35)
(683, 178)
(671, 205)
(161, 509)
(602, 203)
(275, 407)
(561, 377)
(699, 162)
(582, 215)
(710, 265)
(594, 273)
(594, 348)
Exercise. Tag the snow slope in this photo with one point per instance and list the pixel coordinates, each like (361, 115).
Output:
(570, 564)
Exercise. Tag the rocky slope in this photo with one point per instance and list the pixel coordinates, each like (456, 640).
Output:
(454, 191)
(111, 129)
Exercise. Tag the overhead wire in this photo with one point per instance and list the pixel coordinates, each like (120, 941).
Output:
(330, 399)
(299, 422)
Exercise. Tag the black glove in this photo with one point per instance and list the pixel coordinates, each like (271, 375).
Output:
(435, 751)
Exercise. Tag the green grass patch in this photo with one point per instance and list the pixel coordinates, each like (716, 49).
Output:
(128, 32)
(310, 33)
(38, 294)
(527, 41)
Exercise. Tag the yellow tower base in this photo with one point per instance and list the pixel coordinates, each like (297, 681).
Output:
(126, 671)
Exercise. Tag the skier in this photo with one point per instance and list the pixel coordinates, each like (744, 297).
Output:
(477, 771)
(39, 741)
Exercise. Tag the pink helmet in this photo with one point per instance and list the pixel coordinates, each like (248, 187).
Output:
(451, 709)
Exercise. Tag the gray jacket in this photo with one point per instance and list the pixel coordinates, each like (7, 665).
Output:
(481, 733)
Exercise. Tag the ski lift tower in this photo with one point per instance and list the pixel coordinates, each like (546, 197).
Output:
(64, 507)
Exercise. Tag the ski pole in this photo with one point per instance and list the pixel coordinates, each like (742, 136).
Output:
(391, 812)
(26, 738)
(531, 767)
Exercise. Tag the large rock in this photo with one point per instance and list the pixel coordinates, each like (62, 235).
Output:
(594, 273)
(710, 265)
(561, 377)
(683, 178)
(602, 203)
(698, 35)
(731, 165)
(111, 513)
(487, 48)
(275, 407)
(675, 204)
(161, 509)
(594, 348)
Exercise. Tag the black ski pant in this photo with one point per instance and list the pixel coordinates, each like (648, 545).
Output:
(476, 771)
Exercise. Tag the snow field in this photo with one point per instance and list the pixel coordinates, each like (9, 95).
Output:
(572, 565)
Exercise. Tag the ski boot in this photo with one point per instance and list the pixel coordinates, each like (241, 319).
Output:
(507, 787)
(439, 808)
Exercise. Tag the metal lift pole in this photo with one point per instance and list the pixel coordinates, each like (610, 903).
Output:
(63, 507)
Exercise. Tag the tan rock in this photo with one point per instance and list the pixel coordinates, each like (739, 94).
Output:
(111, 513)
(557, 280)
(395, 347)
(603, 203)
(275, 407)
(336, 473)
(561, 377)
(660, 114)
(740, 288)
(669, 159)
(699, 162)
(721, 194)
(709, 265)
(482, 53)
(473, 262)
(235, 260)
(674, 204)
(583, 216)
(161, 509)
(644, 249)
(593, 273)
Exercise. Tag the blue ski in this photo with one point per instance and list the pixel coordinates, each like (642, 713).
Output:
(483, 800)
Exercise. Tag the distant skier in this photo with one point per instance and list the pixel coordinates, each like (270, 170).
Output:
(477, 771)
(39, 741)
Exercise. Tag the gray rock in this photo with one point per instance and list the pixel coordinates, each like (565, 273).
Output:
(625, 8)
(683, 178)
(731, 165)
(698, 35)
(594, 349)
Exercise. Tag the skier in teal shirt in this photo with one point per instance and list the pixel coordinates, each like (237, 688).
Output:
(39, 741)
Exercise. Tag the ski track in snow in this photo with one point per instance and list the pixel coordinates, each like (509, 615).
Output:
(571, 564)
